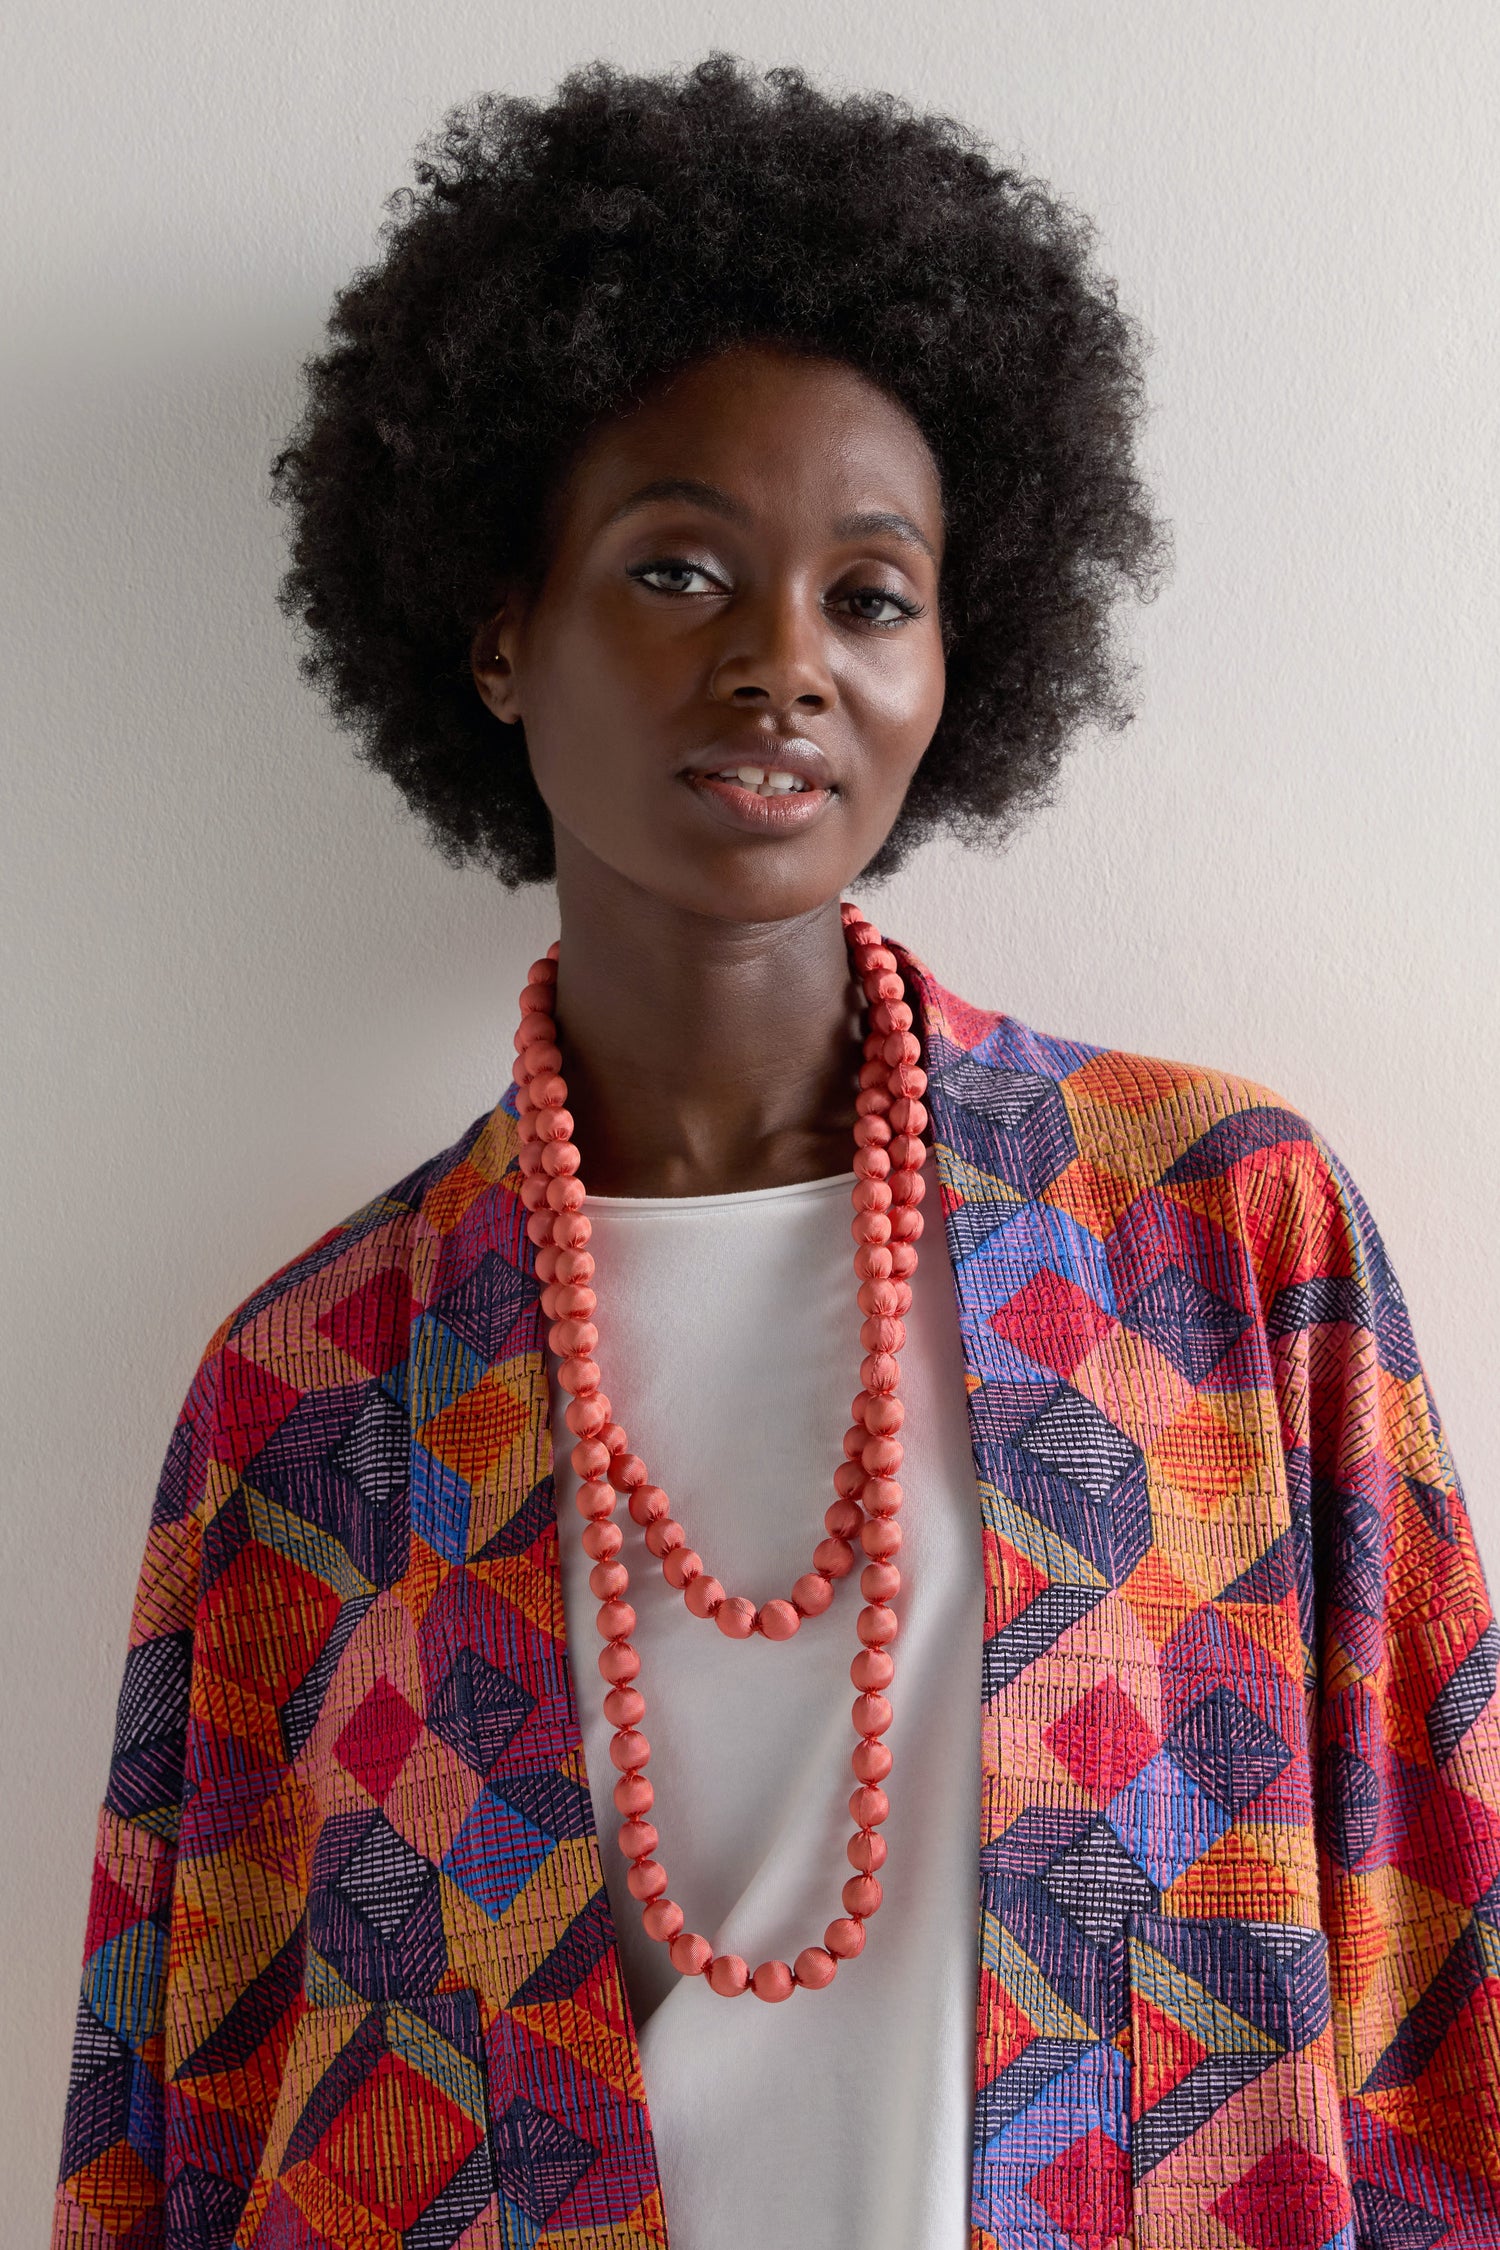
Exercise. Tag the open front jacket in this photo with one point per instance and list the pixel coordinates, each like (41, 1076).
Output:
(351, 1977)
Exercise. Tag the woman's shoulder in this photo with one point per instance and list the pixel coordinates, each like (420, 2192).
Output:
(1146, 1118)
(350, 1294)
(1160, 1164)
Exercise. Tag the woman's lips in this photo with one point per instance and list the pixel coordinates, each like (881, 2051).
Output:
(745, 808)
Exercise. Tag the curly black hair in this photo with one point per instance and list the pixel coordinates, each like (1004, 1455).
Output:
(555, 259)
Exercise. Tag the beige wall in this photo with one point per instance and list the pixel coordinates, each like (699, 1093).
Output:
(245, 995)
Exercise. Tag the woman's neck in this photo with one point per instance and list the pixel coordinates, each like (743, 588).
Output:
(703, 1056)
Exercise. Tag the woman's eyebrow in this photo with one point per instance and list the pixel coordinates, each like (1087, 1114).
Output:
(867, 524)
(872, 521)
(681, 488)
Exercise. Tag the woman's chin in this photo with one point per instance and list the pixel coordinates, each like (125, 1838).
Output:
(716, 866)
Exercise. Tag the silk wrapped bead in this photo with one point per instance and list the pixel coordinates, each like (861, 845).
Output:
(586, 1417)
(815, 1968)
(871, 1762)
(648, 1504)
(843, 1519)
(772, 1981)
(873, 1669)
(882, 1456)
(778, 1620)
(812, 1593)
(574, 1339)
(884, 1415)
(877, 1625)
(833, 1558)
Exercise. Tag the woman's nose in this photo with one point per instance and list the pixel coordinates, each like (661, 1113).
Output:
(776, 655)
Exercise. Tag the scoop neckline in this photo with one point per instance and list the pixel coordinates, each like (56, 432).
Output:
(737, 1198)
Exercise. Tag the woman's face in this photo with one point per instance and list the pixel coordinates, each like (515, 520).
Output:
(742, 583)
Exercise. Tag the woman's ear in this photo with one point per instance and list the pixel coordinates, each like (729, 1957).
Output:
(492, 654)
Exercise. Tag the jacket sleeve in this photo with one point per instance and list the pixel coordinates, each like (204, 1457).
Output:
(112, 2187)
(1402, 1651)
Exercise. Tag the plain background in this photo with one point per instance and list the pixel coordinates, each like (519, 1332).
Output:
(244, 994)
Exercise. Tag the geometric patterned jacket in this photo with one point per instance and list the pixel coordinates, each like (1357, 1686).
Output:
(351, 1977)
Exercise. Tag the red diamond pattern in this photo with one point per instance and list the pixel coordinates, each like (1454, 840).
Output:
(1053, 1321)
(1103, 1741)
(1086, 2192)
(374, 1744)
(1289, 2201)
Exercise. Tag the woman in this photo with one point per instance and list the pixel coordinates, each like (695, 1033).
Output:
(716, 489)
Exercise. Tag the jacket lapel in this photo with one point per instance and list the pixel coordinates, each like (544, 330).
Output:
(529, 1918)
(1065, 1520)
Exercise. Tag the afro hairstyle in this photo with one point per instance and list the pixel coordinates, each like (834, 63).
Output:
(557, 258)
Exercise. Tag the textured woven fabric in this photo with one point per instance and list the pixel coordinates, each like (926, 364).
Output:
(350, 1975)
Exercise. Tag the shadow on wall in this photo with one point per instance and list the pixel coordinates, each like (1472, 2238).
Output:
(252, 997)
(235, 910)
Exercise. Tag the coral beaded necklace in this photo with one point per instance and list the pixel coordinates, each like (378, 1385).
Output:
(888, 1158)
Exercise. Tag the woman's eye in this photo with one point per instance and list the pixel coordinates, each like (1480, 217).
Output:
(671, 575)
(870, 601)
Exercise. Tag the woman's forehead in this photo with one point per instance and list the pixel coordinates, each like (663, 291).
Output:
(760, 430)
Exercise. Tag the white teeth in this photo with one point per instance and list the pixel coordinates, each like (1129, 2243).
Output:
(772, 783)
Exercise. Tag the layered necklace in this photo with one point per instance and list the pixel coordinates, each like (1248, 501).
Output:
(889, 1152)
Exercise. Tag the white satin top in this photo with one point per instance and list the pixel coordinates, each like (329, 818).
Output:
(729, 1344)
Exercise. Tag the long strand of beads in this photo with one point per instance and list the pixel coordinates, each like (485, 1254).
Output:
(889, 1155)
(888, 1158)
